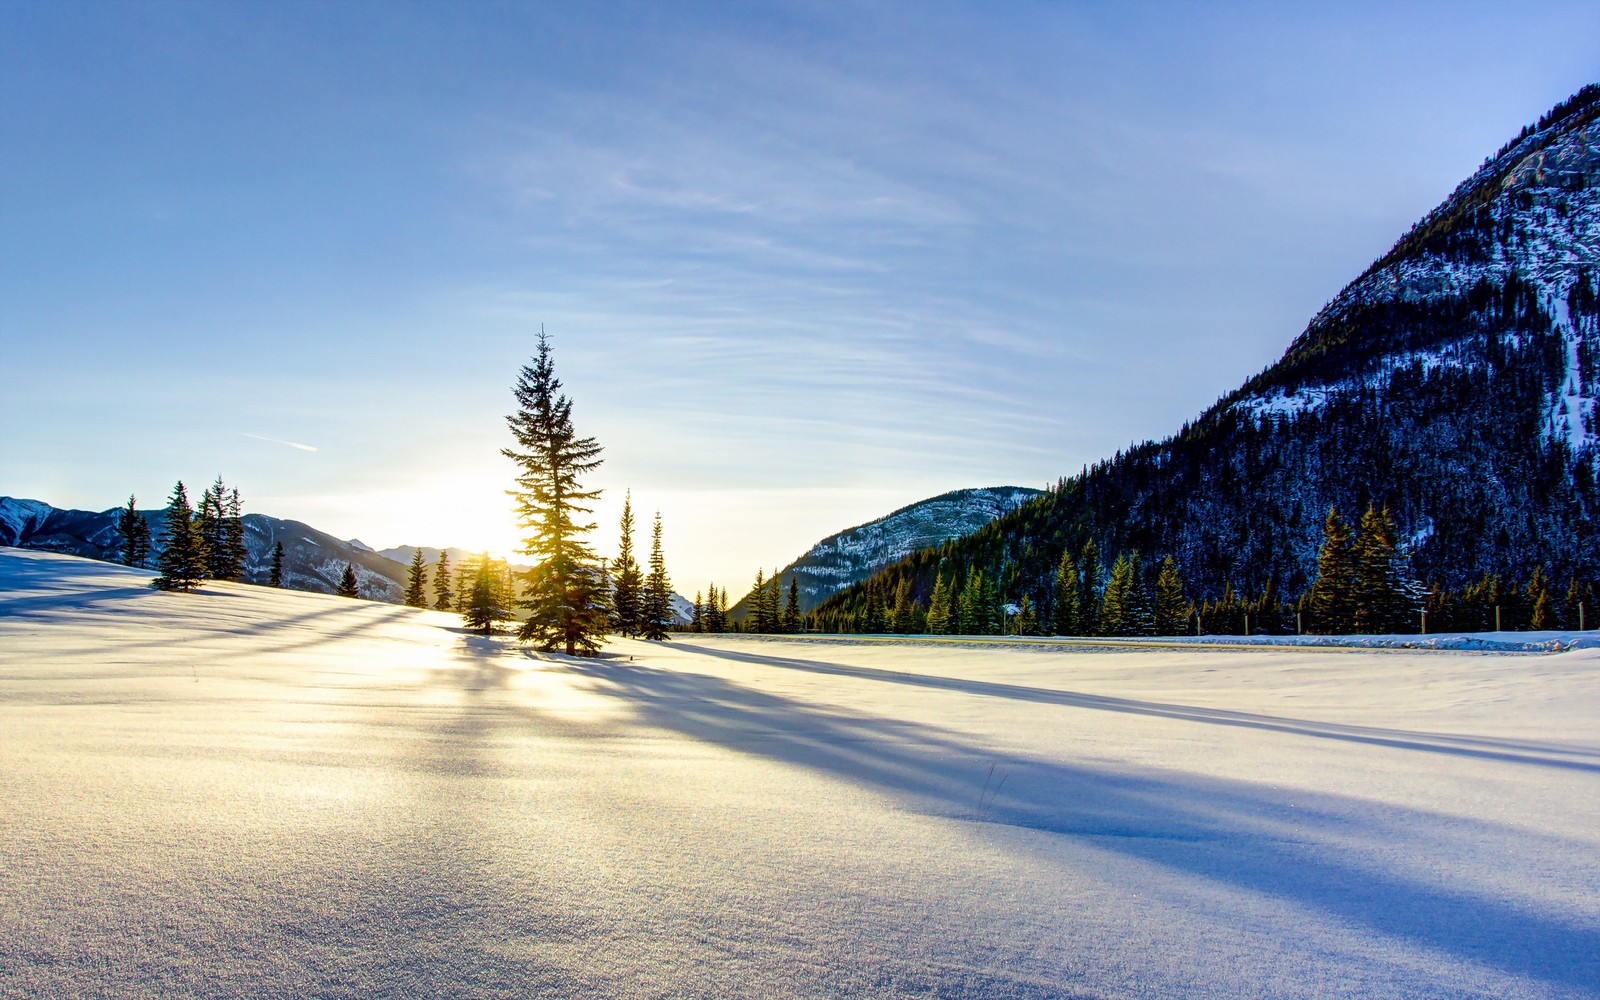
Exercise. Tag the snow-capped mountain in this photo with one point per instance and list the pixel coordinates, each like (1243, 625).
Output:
(312, 560)
(1455, 381)
(856, 553)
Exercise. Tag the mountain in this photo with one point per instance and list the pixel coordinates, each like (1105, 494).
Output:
(1454, 381)
(856, 553)
(312, 560)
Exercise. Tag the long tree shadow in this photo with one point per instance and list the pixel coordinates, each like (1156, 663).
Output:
(1509, 751)
(1327, 853)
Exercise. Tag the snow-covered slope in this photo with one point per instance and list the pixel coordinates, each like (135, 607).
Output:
(253, 792)
(856, 553)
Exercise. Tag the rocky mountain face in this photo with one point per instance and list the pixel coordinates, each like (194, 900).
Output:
(856, 553)
(1454, 381)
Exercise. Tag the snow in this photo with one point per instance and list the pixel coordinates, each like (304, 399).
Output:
(246, 791)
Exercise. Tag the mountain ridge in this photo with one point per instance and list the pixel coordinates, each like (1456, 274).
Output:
(1454, 380)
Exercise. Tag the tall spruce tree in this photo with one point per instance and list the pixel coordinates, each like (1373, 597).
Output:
(442, 594)
(1333, 596)
(1386, 599)
(135, 533)
(627, 581)
(566, 594)
(791, 608)
(656, 601)
(1116, 613)
(941, 609)
(1066, 606)
(1171, 605)
(416, 592)
(275, 577)
(349, 585)
(183, 559)
(235, 552)
(697, 620)
(1091, 579)
(486, 598)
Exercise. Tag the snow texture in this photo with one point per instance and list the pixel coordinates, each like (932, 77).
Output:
(254, 792)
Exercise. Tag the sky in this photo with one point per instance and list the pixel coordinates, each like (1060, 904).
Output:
(801, 263)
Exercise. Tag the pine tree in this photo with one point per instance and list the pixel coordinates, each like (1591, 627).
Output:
(566, 593)
(183, 560)
(967, 601)
(416, 595)
(656, 601)
(230, 536)
(1172, 607)
(900, 615)
(941, 611)
(697, 622)
(774, 602)
(791, 609)
(485, 602)
(1116, 616)
(276, 577)
(1066, 608)
(627, 582)
(1386, 599)
(1090, 577)
(135, 535)
(1141, 612)
(349, 586)
(987, 606)
(1541, 609)
(1333, 591)
(441, 582)
(1027, 620)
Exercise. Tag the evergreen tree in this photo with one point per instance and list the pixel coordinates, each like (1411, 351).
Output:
(1333, 591)
(791, 609)
(656, 601)
(230, 566)
(463, 585)
(986, 607)
(442, 595)
(1091, 578)
(1027, 620)
(967, 602)
(627, 582)
(1116, 616)
(566, 591)
(941, 613)
(697, 623)
(1066, 607)
(775, 601)
(1172, 607)
(416, 595)
(276, 578)
(1541, 609)
(183, 561)
(135, 535)
(1386, 599)
(1140, 611)
(485, 602)
(349, 586)
(753, 612)
(900, 616)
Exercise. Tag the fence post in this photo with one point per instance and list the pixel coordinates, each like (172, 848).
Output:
(1299, 623)
(1424, 621)
(1497, 618)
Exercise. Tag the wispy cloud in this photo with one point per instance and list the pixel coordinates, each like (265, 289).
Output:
(271, 440)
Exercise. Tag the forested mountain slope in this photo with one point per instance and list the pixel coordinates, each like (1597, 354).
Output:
(1453, 381)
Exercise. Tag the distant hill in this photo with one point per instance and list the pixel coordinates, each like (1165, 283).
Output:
(856, 553)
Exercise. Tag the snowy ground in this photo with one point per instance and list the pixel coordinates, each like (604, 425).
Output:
(246, 792)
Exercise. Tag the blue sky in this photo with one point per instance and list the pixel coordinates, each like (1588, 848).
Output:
(801, 263)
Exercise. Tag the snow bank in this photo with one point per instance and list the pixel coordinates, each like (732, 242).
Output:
(247, 792)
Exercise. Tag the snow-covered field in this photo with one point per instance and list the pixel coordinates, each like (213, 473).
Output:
(246, 792)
